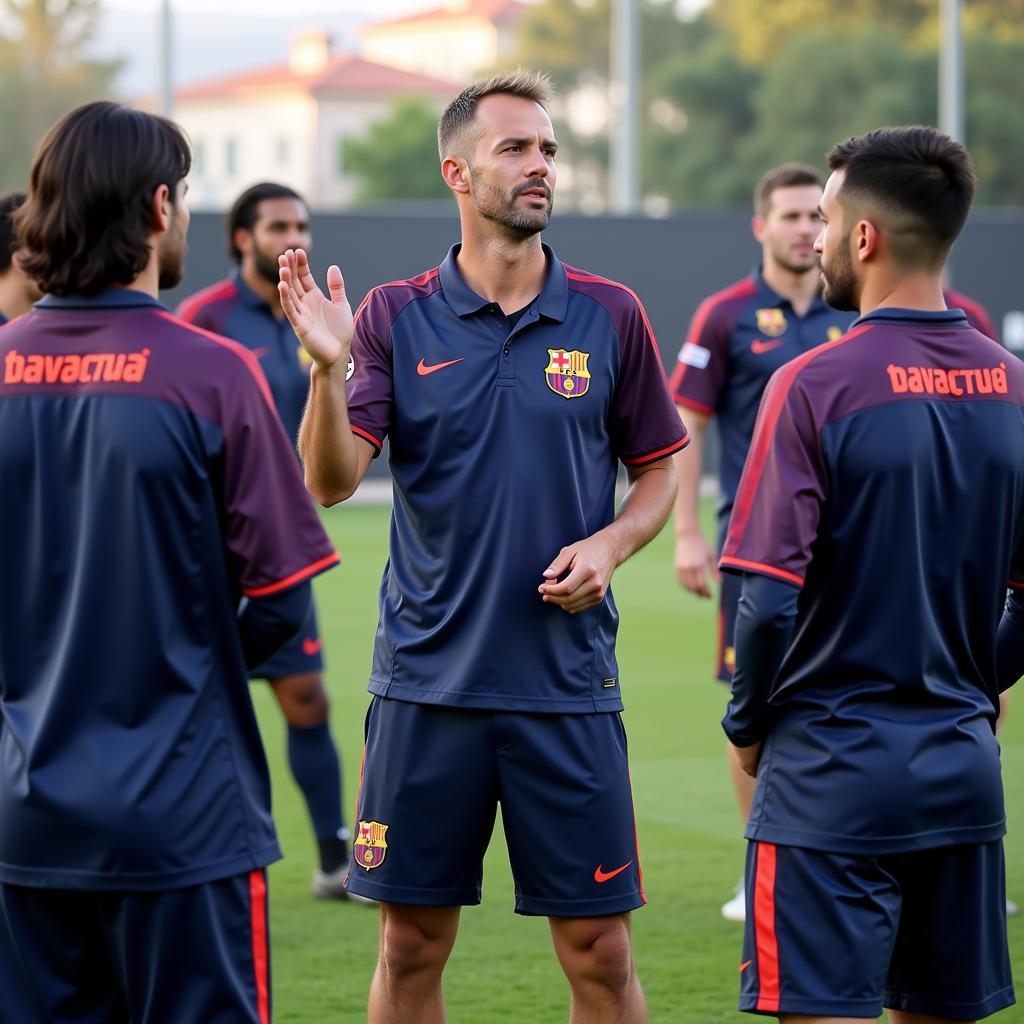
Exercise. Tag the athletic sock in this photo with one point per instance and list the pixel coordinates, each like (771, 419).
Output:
(314, 763)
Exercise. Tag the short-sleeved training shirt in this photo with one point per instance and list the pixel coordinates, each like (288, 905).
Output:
(886, 481)
(233, 309)
(146, 487)
(737, 339)
(504, 447)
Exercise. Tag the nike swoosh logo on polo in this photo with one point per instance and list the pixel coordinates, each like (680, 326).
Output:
(311, 646)
(745, 965)
(422, 369)
(759, 347)
(603, 876)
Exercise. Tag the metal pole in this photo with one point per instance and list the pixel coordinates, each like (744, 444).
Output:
(164, 62)
(625, 124)
(951, 70)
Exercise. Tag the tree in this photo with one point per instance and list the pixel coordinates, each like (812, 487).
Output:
(43, 74)
(397, 157)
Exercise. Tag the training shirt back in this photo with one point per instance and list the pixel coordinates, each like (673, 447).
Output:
(146, 486)
(504, 446)
(737, 339)
(886, 481)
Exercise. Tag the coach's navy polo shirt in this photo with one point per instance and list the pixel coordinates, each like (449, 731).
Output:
(504, 447)
(737, 339)
(233, 309)
(886, 481)
(146, 485)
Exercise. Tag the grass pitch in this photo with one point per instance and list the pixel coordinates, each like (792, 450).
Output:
(503, 969)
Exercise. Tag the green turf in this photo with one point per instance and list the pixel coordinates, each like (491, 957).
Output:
(502, 970)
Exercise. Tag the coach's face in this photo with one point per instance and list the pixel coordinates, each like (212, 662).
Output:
(789, 225)
(840, 286)
(512, 171)
(281, 224)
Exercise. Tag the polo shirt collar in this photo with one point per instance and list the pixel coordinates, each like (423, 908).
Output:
(552, 302)
(105, 298)
(768, 295)
(245, 293)
(895, 314)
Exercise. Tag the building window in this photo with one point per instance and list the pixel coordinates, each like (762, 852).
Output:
(339, 157)
(282, 152)
(231, 157)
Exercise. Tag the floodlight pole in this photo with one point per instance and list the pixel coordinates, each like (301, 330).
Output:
(951, 70)
(625, 122)
(164, 62)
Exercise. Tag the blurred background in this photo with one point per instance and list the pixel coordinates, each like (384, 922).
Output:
(667, 113)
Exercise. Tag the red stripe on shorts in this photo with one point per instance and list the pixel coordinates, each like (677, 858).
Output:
(767, 942)
(260, 957)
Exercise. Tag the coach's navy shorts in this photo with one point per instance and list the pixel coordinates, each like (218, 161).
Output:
(432, 780)
(184, 955)
(843, 935)
(728, 604)
(299, 656)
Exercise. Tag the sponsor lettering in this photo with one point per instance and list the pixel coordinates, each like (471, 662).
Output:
(930, 380)
(72, 368)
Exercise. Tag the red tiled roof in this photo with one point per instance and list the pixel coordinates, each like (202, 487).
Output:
(491, 10)
(342, 75)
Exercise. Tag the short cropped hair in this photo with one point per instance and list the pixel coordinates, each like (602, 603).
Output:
(791, 175)
(245, 211)
(458, 115)
(920, 180)
(9, 202)
(88, 217)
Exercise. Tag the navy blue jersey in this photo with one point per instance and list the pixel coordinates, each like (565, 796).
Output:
(146, 486)
(737, 339)
(886, 481)
(233, 309)
(504, 447)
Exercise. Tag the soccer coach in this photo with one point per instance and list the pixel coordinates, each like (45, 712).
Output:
(146, 488)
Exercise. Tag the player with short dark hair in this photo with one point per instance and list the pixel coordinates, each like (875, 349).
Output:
(155, 522)
(17, 290)
(878, 523)
(264, 221)
(510, 387)
(737, 339)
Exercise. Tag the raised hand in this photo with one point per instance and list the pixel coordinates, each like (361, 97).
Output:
(323, 326)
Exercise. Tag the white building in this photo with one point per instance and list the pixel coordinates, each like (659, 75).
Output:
(289, 123)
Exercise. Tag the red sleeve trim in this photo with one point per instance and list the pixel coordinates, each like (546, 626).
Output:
(689, 403)
(367, 436)
(296, 577)
(768, 418)
(729, 562)
(251, 362)
(660, 454)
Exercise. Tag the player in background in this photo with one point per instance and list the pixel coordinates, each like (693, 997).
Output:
(264, 221)
(737, 339)
(878, 523)
(17, 290)
(160, 539)
(510, 387)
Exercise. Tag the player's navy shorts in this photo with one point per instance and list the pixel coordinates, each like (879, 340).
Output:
(433, 777)
(195, 954)
(843, 935)
(301, 655)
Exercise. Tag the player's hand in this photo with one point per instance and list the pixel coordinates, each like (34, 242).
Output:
(323, 326)
(749, 758)
(695, 564)
(589, 564)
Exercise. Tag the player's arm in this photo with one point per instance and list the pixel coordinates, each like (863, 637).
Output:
(764, 628)
(588, 564)
(266, 624)
(335, 459)
(695, 561)
(1010, 642)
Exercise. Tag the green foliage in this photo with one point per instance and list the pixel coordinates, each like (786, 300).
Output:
(43, 74)
(397, 157)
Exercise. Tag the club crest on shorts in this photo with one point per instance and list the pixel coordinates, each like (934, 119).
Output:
(771, 321)
(567, 374)
(370, 847)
